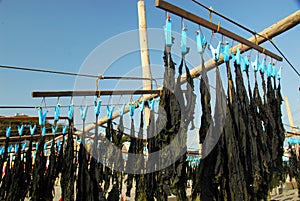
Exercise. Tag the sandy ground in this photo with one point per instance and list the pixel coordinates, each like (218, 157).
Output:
(288, 194)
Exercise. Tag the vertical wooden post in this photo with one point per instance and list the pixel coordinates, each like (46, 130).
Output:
(147, 84)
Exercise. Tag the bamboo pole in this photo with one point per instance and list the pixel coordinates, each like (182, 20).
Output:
(147, 85)
(271, 32)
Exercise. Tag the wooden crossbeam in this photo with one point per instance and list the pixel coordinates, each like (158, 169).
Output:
(98, 93)
(27, 137)
(22, 118)
(216, 28)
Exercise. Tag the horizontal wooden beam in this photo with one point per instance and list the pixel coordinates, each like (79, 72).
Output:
(198, 20)
(98, 93)
(27, 137)
(23, 118)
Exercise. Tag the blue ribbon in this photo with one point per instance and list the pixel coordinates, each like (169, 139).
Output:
(121, 110)
(42, 117)
(32, 129)
(70, 112)
(215, 52)
(44, 131)
(183, 41)
(151, 104)
(8, 129)
(262, 66)
(97, 106)
(64, 130)
(57, 111)
(83, 112)
(226, 52)
(131, 109)
(20, 130)
(54, 129)
(142, 105)
(109, 112)
(255, 65)
(36, 146)
(168, 32)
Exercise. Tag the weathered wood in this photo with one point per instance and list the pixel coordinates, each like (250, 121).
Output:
(28, 118)
(272, 31)
(36, 94)
(214, 27)
(146, 71)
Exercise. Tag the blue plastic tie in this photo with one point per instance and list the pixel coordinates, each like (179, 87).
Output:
(110, 112)
(64, 130)
(273, 74)
(44, 131)
(54, 129)
(16, 148)
(215, 52)
(226, 52)
(70, 112)
(168, 32)
(2, 149)
(24, 146)
(201, 42)
(83, 112)
(42, 117)
(121, 110)
(245, 63)
(262, 66)
(36, 146)
(32, 129)
(151, 104)
(237, 56)
(97, 105)
(255, 64)
(278, 75)
(142, 105)
(20, 130)
(8, 129)
(58, 145)
(10, 147)
(57, 112)
(183, 41)
(269, 69)
(131, 109)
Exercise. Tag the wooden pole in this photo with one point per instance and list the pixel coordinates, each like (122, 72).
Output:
(272, 31)
(147, 85)
(36, 94)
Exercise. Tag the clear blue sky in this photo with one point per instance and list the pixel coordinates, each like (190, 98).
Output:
(61, 35)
